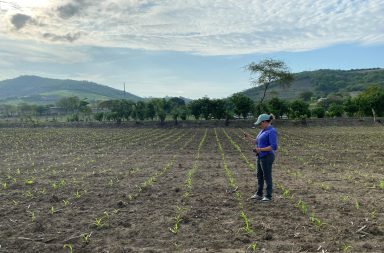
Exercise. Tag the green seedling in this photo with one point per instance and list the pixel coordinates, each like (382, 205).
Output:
(373, 214)
(246, 228)
(252, 247)
(357, 204)
(302, 206)
(66, 202)
(77, 194)
(52, 211)
(5, 185)
(29, 194)
(316, 221)
(99, 223)
(29, 182)
(176, 226)
(69, 246)
(54, 186)
(346, 247)
(85, 237)
(382, 184)
(33, 216)
(344, 198)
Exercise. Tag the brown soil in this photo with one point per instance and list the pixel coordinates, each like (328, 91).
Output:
(119, 190)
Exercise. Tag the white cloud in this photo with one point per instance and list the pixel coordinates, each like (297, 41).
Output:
(215, 27)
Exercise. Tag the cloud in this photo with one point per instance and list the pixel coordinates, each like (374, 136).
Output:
(20, 20)
(69, 37)
(215, 27)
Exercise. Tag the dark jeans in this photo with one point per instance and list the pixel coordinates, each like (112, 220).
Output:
(264, 173)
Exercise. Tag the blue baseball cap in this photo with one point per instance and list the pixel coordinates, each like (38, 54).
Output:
(262, 117)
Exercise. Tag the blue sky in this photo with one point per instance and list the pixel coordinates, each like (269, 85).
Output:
(185, 48)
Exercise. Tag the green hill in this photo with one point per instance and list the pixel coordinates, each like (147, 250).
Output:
(322, 82)
(39, 90)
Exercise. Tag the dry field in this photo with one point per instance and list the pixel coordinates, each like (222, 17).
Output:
(187, 190)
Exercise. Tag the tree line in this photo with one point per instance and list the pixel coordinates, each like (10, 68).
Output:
(368, 103)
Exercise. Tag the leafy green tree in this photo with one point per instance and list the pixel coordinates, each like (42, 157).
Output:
(335, 110)
(278, 107)
(371, 101)
(206, 107)
(99, 116)
(195, 108)
(69, 104)
(150, 110)
(140, 110)
(299, 109)
(218, 108)
(243, 104)
(161, 108)
(350, 107)
(176, 105)
(269, 71)
(318, 112)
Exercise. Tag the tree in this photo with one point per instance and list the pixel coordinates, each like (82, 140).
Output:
(218, 108)
(350, 107)
(161, 107)
(243, 104)
(195, 108)
(318, 112)
(269, 71)
(175, 105)
(206, 107)
(140, 109)
(150, 110)
(371, 101)
(278, 107)
(299, 109)
(335, 110)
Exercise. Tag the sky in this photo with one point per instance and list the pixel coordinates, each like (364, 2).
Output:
(189, 48)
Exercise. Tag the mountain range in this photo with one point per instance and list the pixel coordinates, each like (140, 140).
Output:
(40, 90)
(323, 82)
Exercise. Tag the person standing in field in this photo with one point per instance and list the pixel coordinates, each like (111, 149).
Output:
(265, 147)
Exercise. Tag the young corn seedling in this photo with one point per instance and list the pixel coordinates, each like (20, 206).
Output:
(176, 226)
(29, 181)
(77, 194)
(33, 216)
(66, 202)
(246, 228)
(52, 211)
(382, 184)
(85, 237)
(357, 204)
(316, 221)
(69, 246)
(346, 247)
(252, 247)
(99, 223)
(302, 206)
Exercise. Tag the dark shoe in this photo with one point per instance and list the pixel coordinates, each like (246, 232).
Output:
(256, 197)
(266, 199)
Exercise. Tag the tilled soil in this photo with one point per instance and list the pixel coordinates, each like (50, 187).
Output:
(127, 190)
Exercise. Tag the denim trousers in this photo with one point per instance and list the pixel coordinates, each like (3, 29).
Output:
(264, 173)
